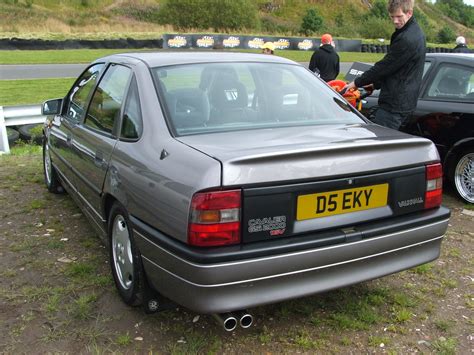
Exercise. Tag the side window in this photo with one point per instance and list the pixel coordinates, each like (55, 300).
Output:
(132, 125)
(77, 99)
(453, 83)
(107, 100)
(426, 67)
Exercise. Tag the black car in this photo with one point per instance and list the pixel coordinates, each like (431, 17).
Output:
(445, 115)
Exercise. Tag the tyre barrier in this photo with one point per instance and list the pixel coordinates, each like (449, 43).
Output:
(385, 48)
(13, 135)
(31, 133)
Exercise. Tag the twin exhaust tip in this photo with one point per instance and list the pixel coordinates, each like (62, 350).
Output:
(230, 320)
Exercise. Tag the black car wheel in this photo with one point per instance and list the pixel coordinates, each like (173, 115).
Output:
(463, 175)
(125, 259)
(50, 175)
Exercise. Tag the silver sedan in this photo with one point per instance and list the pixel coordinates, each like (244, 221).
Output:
(224, 181)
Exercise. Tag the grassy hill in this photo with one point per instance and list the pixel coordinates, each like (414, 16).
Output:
(86, 19)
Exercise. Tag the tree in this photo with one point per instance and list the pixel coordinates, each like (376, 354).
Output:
(312, 22)
(446, 35)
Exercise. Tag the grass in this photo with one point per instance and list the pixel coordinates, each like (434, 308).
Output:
(82, 307)
(18, 92)
(76, 56)
(124, 339)
(445, 346)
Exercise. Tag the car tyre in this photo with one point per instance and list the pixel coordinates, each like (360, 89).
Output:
(463, 175)
(125, 258)
(13, 135)
(50, 174)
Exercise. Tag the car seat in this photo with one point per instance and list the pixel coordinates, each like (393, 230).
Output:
(450, 87)
(228, 99)
(189, 108)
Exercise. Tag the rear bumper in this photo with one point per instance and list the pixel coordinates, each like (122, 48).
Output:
(210, 287)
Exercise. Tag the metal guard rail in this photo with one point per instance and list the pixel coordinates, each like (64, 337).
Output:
(17, 116)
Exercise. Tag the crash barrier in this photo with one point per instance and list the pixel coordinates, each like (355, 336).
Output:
(17, 116)
(213, 41)
(170, 41)
(202, 41)
(38, 44)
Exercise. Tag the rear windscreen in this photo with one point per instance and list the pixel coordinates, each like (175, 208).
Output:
(219, 97)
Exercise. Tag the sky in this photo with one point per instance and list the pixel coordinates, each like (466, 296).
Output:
(468, 2)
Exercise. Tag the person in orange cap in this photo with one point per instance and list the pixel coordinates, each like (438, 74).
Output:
(325, 60)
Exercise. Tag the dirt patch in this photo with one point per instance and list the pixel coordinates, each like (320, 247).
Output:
(57, 293)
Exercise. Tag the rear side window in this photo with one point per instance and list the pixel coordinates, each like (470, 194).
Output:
(132, 125)
(453, 82)
(104, 109)
(77, 100)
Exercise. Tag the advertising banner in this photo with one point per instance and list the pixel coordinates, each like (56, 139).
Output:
(251, 42)
(177, 41)
(304, 44)
(205, 41)
(227, 41)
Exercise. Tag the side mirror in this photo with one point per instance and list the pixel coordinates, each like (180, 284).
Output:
(51, 107)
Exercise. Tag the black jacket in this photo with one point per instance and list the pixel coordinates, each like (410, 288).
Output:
(325, 61)
(461, 48)
(399, 73)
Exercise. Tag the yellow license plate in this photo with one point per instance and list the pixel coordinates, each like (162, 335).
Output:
(341, 201)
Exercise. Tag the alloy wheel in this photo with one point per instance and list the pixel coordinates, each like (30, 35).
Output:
(122, 252)
(464, 177)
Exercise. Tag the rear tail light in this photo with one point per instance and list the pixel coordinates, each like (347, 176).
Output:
(434, 185)
(215, 218)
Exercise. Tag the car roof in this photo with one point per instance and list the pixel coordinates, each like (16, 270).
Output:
(451, 57)
(162, 58)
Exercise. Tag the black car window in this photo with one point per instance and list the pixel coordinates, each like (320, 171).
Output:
(452, 82)
(77, 99)
(107, 100)
(132, 119)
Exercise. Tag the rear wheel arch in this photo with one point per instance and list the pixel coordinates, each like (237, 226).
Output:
(108, 201)
(453, 155)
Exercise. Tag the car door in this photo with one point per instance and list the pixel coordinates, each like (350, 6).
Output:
(95, 137)
(73, 111)
(445, 112)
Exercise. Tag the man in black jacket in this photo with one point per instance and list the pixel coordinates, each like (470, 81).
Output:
(399, 73)
(461, 46)
(325, 60)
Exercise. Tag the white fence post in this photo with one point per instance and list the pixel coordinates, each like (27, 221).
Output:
(4, 146)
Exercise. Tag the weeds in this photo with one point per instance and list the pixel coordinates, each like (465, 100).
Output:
(445, 346)
(124, 339)
(82, 307)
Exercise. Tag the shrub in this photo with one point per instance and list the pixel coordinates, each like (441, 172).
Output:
(312, 22)
(446, 35)
(379, 10)
(216, 14)
(374, 27)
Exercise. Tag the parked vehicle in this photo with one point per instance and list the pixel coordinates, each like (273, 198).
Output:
(445, 115)
(224, 181)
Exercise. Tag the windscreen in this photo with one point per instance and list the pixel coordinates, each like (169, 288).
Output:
(219, 97)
